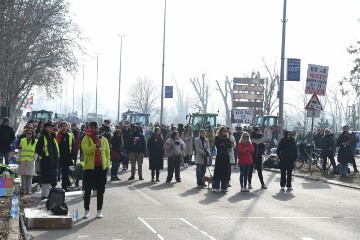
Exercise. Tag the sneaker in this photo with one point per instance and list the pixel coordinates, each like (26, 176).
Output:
(289, 188)
(178, 180)
(263, 186)
(99, 214)
(157, 179)
(117, 178)
(152, 180)
(112, 179)
(229, 185)
(246, 189)
(94, 194)
(141, 178)
(224, 190)
(86, 214)
(131, 178)
(249, 187)
(282, 189)
(168, 181)
(214, 190)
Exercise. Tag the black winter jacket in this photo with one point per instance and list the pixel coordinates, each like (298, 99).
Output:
(7, 137)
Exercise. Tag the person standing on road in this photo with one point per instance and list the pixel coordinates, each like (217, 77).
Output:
(354, 140)
(174, 148)
(202, 153)
(66, 144)
(155, 145)
(245, 159)
(287, 153)
(27, 161)
(259, 149)
(237, 135)
(328, 149)
(222, 161)
(211, 137)
(345, 155)
(77, 140)
(48, 150)
(136, 147)
(117, 153)
(7, 137)
(187, 137)
(96, 164)
(231, 152)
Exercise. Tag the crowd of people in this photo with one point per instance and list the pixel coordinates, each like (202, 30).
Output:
(95, 150)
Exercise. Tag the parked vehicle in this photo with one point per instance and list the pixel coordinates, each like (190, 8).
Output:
(201, 120)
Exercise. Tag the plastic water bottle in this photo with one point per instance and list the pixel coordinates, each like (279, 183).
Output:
(14, 207)
(75, 212)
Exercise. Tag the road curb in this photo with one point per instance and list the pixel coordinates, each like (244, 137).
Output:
(334, 182)
(13, 229)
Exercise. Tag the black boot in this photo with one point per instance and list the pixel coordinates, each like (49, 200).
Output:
(152, 176)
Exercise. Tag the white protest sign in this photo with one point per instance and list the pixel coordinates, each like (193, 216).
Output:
(244, 116)
(316, 79)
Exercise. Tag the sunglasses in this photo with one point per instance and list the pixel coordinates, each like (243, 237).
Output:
(28, 133)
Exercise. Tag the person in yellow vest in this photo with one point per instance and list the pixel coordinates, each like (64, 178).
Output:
(66, 143)
(96, 152)
(48, 151)
(27, 160)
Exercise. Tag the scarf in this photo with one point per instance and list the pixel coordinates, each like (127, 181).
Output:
(97, 151)
(58, 137)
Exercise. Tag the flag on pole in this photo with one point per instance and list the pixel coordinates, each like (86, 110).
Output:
(29, 102)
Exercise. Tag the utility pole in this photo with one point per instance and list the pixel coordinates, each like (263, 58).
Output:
(118, 116)
(281, 90)
(163, 69)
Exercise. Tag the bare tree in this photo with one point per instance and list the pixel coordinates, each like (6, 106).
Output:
(38, 42)
(228, 90)
(182, 103)
(202, 92)
(144, 96)
(271, 83)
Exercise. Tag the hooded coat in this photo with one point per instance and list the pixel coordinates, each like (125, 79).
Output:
(287, 152)
(156, 152)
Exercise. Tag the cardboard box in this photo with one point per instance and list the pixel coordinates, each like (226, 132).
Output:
(44, 218)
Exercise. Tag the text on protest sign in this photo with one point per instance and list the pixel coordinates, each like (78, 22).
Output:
(244, 116)
(316, 79)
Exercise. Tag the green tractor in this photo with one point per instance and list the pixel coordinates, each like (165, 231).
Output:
(199, 121)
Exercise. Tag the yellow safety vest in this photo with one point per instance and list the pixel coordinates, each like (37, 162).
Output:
(45, 149)
(27, 152)
(70, 139)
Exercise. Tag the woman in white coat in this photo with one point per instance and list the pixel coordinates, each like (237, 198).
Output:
(202, 148)
(27, 160)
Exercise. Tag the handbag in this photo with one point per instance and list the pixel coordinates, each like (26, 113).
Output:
(115, 156)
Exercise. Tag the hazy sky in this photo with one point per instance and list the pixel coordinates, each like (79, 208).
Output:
(219, 38)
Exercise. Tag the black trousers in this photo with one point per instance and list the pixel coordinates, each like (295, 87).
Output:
(332, 160)
(173, 165)
(65, 181)
(258, 166)
(95, 177)
(153, 173)
(286, 175)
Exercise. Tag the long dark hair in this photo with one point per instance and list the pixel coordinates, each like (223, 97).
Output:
(32, 137)
(116, 136)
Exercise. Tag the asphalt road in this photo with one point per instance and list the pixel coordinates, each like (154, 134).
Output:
(142, 210)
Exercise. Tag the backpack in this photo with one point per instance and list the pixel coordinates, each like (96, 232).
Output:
(56, 196)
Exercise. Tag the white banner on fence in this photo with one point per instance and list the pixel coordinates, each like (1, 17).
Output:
(244, 116)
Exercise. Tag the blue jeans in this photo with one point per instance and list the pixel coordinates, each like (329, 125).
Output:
(344, 169)
(216, 184)
(244, 173)
(114, 168)
(200, 172)
(211, 153)
(4, 154)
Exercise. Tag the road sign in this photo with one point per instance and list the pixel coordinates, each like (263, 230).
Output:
(313, 113)
(248, 80)
(314, 103)
(168, 91)
(247, 88)
(243, 116)
(293, 69)
(249, 96)
(316, 79)
(239, 104)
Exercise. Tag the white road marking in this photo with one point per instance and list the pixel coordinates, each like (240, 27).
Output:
(170, 218)
(306, 238)
(83, 236)
(146, 196)
(153, 230)
(197, 229)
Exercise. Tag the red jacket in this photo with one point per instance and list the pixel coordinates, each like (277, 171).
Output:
(245, 151)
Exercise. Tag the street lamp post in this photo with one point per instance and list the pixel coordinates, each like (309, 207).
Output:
(163, 69)
(281, 88)
(121, 39)
(97, 80)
